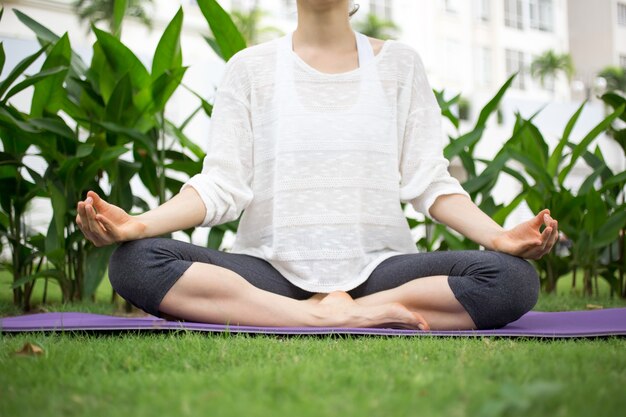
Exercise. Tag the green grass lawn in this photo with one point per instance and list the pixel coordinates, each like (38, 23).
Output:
(187, 373)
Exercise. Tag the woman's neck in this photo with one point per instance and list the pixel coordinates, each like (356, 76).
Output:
(325, 27)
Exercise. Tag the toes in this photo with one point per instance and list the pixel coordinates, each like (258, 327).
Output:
(410, 319)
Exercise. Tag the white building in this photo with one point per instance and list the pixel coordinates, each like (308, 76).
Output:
(597, 37)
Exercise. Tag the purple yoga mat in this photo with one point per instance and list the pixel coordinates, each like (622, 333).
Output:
(533, 324)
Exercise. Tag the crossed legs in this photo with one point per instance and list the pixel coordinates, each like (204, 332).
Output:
(167, 277)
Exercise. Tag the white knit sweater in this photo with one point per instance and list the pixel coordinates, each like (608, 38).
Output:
(319, 163)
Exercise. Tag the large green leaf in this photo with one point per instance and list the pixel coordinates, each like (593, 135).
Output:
(104, 160)
(596, 159)
(120, 174)
(614, 100)
(164, 86)
(190, 168)
(34, 80)
(476, 184)
(119, 61)
(168, 55)
(467, 140)
(19, 70)
(502, 213)
(117, 129)
(45, 36)
(119, 109)
(609, 231)
(54, 125)
(9, 121)
(557, 155)
(88, 104)
(588, 183)
(49, 93)
(445, 106)
(42, 32)
(537, 171)
(534, 145)
(617, 180)
(119, 10)
(492, 105)
(595, 212)
(584, 143)
(227, 36)
(148, 170)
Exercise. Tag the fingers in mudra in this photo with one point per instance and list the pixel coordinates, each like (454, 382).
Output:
(553, 226)
(93, 229)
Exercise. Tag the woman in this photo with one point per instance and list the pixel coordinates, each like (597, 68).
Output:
(319, 135)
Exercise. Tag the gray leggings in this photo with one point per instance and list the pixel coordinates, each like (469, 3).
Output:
(494, 288)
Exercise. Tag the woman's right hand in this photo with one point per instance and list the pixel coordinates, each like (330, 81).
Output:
(103, 223)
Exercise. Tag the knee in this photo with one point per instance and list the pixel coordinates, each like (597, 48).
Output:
(516, 285)
(126, 261)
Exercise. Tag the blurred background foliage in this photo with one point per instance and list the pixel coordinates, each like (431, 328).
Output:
(99, 124)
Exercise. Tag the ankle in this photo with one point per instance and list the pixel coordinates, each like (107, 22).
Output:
(321, 315)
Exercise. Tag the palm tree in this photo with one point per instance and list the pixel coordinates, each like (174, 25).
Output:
(248, 23)
(375, 27)
(93, 11)
(615, 78)
(549, 64)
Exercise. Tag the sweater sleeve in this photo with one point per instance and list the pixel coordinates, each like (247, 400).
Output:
(423, 168)
(224, 185)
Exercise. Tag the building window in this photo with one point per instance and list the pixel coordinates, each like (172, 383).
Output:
(382, 9)
(622, 61)
(515, 63)
(541, 15)
(483, 10)
(483, 66)
(513, 14)
(621, 14)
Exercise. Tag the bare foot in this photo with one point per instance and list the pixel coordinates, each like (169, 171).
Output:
(340, 310)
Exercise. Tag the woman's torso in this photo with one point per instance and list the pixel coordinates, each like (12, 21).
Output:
(326, 208)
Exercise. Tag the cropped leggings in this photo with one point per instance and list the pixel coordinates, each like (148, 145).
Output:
(493, 287)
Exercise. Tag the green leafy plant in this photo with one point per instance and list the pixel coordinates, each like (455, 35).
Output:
(114, 128)
(592, 217)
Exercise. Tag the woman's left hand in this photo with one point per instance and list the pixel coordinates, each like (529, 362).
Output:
(526, 241)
